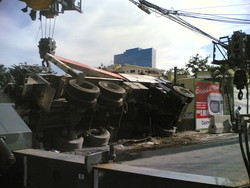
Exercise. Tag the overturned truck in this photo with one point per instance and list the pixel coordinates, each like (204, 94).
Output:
(74, 111)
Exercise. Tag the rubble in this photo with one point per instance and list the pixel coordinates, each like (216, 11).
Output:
(130, 149)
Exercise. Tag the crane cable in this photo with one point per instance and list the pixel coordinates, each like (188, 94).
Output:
(47, 28)
(47, 44)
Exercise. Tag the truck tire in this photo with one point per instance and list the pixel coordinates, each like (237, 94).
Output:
(63, 144)
(75, 101)
(184, 92)
(96, 137)
(163, 132)
(6, 157)
(111, 90)
(85, 90)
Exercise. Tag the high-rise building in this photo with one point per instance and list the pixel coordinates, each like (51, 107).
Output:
(137, 56)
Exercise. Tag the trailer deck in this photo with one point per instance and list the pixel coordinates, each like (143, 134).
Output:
(212, 163)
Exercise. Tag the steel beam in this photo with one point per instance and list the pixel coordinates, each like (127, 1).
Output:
(117, 175)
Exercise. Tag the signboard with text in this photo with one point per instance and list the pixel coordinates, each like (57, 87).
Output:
(209, 102)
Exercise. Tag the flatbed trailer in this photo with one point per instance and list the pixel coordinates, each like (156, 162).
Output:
(94, 169)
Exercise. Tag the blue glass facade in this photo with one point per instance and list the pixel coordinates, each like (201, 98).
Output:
(137, 56)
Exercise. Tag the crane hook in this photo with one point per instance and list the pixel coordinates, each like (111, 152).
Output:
(240, 95)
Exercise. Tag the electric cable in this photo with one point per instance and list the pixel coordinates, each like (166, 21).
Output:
(174, 15)
(214, 14)
(187, 25)
(214, 17)
(217, 6)
(211, 17)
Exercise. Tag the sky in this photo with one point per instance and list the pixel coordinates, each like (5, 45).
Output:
(110, 27)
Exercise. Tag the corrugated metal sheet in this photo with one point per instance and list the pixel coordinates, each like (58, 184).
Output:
(17, 133)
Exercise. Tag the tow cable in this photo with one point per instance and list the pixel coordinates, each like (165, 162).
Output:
(47, 44)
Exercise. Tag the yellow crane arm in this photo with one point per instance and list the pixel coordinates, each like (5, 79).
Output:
(38, 4)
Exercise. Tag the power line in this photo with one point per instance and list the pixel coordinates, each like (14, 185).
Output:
(217, 14)
(175, 15)
(214, 17)
(217, 6)
(184, 23)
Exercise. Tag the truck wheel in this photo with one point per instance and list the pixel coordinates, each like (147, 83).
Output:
(6, 157)
(96, 137)
(163, 132)
(75, 101)
(63, 144)
(85, 90)
(184, 92)
(111, 90)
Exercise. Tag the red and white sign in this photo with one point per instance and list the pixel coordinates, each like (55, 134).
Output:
(209, 102)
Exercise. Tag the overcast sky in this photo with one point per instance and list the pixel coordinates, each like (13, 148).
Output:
(109, 27)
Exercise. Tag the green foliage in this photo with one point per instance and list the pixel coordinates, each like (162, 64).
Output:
(3, 74)
(224, 75)
(182, 71)
(2, 69)
(102, 66)
(16, 73)
(197, 63)
(221, 72)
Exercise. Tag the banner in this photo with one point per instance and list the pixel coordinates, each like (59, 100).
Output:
(209, 102)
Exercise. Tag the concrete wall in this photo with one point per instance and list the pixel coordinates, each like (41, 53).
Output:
(188, 122)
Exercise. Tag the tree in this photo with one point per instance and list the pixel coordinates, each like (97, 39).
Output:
(183, 71)
(2, 69)
(102, 66)
(224, 75)
(221, 73)
(179, 71)
(2, 75)
(16, 73)
(197, 63)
